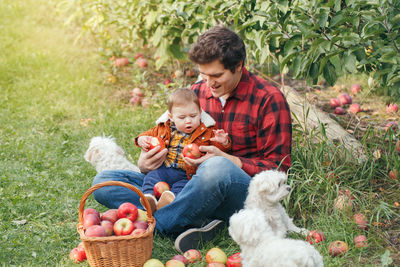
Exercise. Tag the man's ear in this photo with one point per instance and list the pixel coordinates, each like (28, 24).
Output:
(240, 66)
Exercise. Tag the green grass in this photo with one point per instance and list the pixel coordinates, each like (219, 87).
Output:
(48, 84)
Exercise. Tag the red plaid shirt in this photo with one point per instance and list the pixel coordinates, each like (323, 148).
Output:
(257, 118)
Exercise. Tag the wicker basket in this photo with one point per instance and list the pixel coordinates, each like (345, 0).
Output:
(128, 250)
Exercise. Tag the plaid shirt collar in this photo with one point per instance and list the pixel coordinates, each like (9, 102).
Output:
(241, 89)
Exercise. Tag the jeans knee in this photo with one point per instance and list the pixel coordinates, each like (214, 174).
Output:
(215, 170)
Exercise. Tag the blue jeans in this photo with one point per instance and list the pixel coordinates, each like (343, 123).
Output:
(175, 178)
(216, 191)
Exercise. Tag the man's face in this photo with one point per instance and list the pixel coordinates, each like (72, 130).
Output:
(219, 80)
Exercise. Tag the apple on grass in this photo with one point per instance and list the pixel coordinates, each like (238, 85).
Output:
(343, 203)
(334, 103)
(360, 220)
(77, 255)
(137, 92)
(160, 188)
(123, 226)
(398, 146)
(345, 99)
(120, 62)
(392, 108)
(360, 241)
(110, 215)
(141, 62)
(215, 264)
(89, 220)
(108, 227)
(128, 210)
(82, 250)
(315, 236)
(153, 263)
(192, 255)
(337, 248)
(95, 231)
(216, 255)
(338, 111)
(355, 89)
(181, 258)
(393, 174)
(174, 263)
(392, 125)
(191, 151)
(354, 108)
(234, 260)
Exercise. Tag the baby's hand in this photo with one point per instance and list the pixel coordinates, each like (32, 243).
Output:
(220, 136)
(144, 142)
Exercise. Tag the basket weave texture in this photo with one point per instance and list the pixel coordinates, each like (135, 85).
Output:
(121, 251)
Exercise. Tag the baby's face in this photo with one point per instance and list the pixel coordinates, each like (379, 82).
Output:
(186, 118)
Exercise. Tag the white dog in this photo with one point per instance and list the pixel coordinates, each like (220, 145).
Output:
(261, 247)
(104, 154)
(266, 189)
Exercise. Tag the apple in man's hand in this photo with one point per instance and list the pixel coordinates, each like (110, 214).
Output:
(156, 141)
(123, 226)
(160, 188)
(191, 151)
(128, 210)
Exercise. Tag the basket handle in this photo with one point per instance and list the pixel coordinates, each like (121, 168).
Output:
(112, 183)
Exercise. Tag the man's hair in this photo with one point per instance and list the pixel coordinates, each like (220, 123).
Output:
(182, 97)
(220, 43)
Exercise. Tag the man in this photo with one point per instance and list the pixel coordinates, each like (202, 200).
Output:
(254, 114)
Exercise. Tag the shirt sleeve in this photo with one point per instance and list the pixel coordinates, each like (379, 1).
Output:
(274, 137)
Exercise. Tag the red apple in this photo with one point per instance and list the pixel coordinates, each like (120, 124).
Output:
(392, 108)
(315, 237)
(89, 220)
(137, 92)
(108, 227)
(360, 241)
(95, 231)
(135, 100)
(337, 248)
(139, 55)
(123, 226)
(120, 62)
(234, 260)
(343, 203)
(138, 231)
(167, 81)
(181, 258)
(141, 62)
(153, 263)
(355, 89)
(159, 188)
(334, 102)
(360, 220)
(174, 263)
(346, 193)
(82, 250)
(110, 215)
(76, 255)
(354, 108)
(398, 145)
(192, 255)
(216, 255)
(215, 264)
(392, 125)
(334, 178)
(345, 99)
(191, 151)
(142, 216)
(140, 225)
(145, 102)
(339, 111)
(128, 210)
(393, 174)
(91, 211)
(156, 141)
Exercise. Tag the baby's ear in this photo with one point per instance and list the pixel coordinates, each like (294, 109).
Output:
(170, 116)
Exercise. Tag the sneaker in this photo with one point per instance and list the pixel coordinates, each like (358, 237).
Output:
(166, 198)
(190, 238)
(152, 202)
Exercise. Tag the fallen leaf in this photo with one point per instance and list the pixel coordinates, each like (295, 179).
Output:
(19, 222)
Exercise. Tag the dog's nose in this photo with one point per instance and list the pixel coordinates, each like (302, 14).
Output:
(288, 188)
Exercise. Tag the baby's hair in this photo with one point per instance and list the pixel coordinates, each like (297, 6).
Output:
(182, 97)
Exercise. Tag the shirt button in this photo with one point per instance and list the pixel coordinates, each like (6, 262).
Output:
(202, 128)
(202, 138)
(223, 111)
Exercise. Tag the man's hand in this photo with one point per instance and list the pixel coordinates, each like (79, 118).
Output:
(211, 151)
(152, 159)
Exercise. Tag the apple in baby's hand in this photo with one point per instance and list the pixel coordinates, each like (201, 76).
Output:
(315, 237)
(160, 188)
(95, 231)
(128, 210)
(216, 255)
(108, 227)
(153, 263)
(110, 215)
(142, 216)
(174, 263)
(234, 260)
(89, 220)
(191, 151)
(360, 241)
(156, 141)
(337, 248)
(181, 258)
(77, 256)
(192, 255)
(123, 226)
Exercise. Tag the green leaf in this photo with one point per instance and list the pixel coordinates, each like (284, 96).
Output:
(350, 63)
(329, 73)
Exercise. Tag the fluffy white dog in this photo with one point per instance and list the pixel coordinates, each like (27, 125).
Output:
(104, 154)
(265, 191)
(260, 246)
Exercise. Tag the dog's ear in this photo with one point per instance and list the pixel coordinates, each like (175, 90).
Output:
(246, 226)
(90, 153)
(120, 151)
